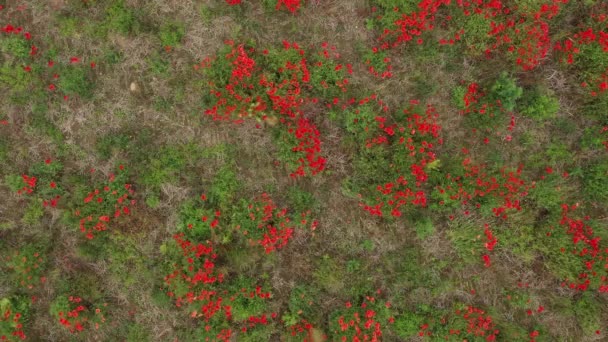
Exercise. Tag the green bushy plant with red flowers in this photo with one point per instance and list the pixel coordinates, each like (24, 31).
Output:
(488, 107)
(263, 223)
(101, 207)
(76, 314)
(394, 156)
(586, 52)
(25, 267)
(361, 322)
(29, 72)
(197, 280)
(275, 86)
(467, 322)
(586, 246)
(522, 34)
(39, 188)
(11, 322)
(292, 6)
(40, 183)
(18, 72)
(303, 311)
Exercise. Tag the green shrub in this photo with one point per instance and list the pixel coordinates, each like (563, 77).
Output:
(590, 60)
(158, 64)
(301, 200)
(165, 164)
(424, 228)
(245, 306)
(376, 60)
(595, 107)
(323, 79)
(592, 139)
(112, 56)
(152, 201)
(302, 302)
(546, 193)
(41, 125)
(77, 80)
(69, 26)
(4, 152)
(359, 122)
(538, 105)
(14, 312)
(554, 249)
(26, 267)
(16, 46)
(14, 182)
(190, 220)
(112, 143)
(224, 187)
(16, 82)
(595, 179)
(138, 333)
(206, 13)
(519, 240)
(506, 90)
(171, 34)
(329, 275)
(587, 310)
(424, 86)
(475, 38)
(120, 18)
(33, 213)
(407, 325)
(558, 153)
(353, 266)
(465, 238)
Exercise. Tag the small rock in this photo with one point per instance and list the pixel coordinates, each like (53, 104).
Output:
(134, 88)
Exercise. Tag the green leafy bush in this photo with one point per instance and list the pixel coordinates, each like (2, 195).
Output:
(595, 179)
(301, 200)
(16, 46)
(164, 165)
(11, 319)
(171, 34)
(224, 187)
(587, 311)
(25, 267)
(407, 325)
(538, 105)
(16, 82)
(506, 91)
(112, 143)
(302, 302)
(424, 228)
(77, 80)
(33, 213)
(120, 18)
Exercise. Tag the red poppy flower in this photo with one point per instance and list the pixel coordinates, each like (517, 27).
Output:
(486, 260)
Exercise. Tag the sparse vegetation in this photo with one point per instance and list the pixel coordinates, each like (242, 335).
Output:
(292, 170)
